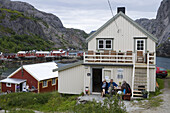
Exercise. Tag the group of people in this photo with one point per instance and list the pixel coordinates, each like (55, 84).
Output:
(25, 88)
(111, 88)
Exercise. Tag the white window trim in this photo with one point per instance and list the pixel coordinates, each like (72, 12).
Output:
(104, 44)
(46, 83)
(143, 45)
(55, 81)
(8, 85)
(103, 76)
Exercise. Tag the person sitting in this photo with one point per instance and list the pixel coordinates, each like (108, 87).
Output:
(125, 87)
(111, 86)
(104, 88)
(126, 90)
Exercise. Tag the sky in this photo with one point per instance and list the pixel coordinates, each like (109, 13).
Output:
(89, 15)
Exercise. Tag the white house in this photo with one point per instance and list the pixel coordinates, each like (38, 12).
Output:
(118, 50)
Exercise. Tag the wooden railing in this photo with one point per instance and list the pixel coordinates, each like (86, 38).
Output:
(118, 58)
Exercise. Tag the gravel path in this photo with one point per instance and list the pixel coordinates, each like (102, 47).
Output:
(165, 106)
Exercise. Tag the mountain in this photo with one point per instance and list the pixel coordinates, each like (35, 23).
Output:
(160, 27)
(23, 27)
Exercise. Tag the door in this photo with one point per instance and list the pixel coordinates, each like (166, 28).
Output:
(96, 79)
(140, 49)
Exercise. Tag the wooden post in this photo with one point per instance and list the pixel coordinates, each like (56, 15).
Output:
(148, 73)
(133, 77)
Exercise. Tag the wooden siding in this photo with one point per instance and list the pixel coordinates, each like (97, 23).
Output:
(31, 81)
(152, 79)
(49, 87)
(4, 88)
(71, 81)
(124, 38)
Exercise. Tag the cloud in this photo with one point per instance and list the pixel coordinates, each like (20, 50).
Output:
(90, 15)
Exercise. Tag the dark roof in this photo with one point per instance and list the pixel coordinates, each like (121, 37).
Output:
(68, 66)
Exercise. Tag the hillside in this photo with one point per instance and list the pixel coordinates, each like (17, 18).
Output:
(160, 27)
(22, 27)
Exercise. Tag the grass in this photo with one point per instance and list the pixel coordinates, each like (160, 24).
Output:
(54, 102)
(168, 72)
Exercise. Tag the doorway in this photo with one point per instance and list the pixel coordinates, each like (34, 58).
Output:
(96, 79)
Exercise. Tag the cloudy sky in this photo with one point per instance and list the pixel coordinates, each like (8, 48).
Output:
(89, 15)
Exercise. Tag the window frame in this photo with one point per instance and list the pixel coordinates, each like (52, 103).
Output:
(99, 43)
(8, 84)
(104, 44)
(44, 82)
(54, 80)
(139, 45)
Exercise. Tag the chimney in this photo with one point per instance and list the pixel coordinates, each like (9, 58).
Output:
(121, 9)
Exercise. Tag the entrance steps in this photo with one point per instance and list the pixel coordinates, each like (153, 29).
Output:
(140, 81)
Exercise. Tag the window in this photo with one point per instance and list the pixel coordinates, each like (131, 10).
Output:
(120, 73)
(8, 84)
(53, 81)
(104, 44)
(44, 83)
(101, 44)
(107, 75)
(140, 45)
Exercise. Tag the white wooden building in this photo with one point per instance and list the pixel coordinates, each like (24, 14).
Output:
(118, 50)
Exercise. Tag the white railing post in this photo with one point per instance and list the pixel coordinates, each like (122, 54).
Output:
(84, 56)
(154, 58)
(133, 76)
(148, 73)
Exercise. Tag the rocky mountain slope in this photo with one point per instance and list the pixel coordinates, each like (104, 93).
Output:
(20, 18)
(160, 27)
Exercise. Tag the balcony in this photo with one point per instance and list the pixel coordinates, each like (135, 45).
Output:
(113, 57)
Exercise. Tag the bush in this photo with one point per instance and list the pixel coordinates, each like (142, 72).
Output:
(50, 102)
(110, 105)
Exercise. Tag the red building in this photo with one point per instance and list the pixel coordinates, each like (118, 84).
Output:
(39, 78)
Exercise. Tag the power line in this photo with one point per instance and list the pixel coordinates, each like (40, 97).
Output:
(110, 7)
(113, 15)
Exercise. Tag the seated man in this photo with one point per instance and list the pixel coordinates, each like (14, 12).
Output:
(111, 87)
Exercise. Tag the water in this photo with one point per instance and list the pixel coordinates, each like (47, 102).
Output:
(163, 62)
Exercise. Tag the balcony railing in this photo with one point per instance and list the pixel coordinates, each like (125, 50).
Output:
(118, 58)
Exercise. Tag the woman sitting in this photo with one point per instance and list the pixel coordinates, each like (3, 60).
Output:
(104, 88)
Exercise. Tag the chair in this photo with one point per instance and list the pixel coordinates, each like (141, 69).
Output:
(140, 57)
(106, 52)
(120, 57)
(113, 58)
(129, 53)
(90, 57)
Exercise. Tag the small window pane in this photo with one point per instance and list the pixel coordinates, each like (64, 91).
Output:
(44, 83)
(53, 81)
(101, 42)
(108, 46)
(100, 46)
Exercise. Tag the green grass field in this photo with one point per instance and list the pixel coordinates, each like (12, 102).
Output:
(54, 102)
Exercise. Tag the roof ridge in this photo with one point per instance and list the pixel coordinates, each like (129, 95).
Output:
(129, 20)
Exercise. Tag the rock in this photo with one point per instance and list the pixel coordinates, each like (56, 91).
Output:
(159, 27)
(29, 20)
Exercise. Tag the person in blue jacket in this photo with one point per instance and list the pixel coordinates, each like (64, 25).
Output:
(111, 87)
